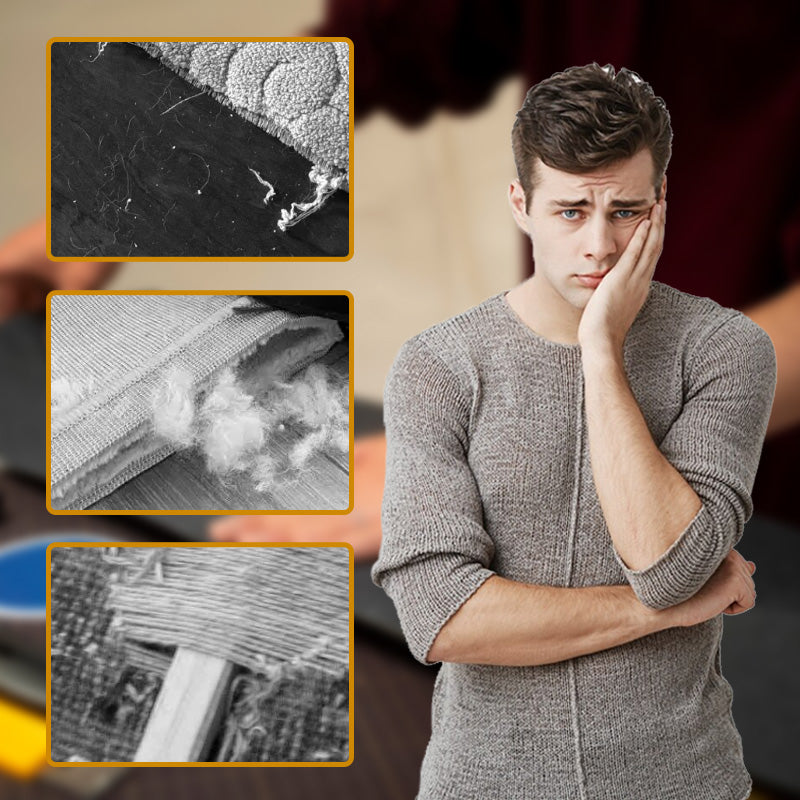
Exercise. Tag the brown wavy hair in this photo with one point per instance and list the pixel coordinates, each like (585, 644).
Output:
(589, 117)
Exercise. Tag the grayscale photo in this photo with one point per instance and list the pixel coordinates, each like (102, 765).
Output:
(206, 149)
(199, 402)
(199, 653)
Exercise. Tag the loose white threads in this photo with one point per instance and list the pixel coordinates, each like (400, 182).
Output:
(265, 428)
(232, 426)
(326, 182)
(185, 99)
(101, 46)
(173, 407)
(270, 188)
(208, 172)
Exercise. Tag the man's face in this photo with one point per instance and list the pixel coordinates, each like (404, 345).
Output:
(580, 224)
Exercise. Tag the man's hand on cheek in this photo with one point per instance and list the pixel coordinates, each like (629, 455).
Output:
(616, 301)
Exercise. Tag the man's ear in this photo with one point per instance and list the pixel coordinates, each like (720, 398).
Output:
(663, 193)
(517, 201)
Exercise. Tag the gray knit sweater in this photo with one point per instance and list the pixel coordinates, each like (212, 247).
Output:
(488, 472)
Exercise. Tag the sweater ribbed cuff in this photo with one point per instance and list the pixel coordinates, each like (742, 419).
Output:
(684, 568)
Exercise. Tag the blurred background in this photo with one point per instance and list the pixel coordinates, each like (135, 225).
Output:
(429, 215)
(433, 236)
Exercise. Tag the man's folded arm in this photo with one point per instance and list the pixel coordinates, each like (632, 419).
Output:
(676, 510)
(514, 624)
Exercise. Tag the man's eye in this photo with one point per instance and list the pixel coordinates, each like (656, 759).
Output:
(625, 214)
(570, 213)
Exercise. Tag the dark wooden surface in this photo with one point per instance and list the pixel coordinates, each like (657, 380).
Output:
(143, 165)
(182, 481)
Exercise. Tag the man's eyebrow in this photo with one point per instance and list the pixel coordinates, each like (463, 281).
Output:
(614, 203)
(570, 203)
(630, 203)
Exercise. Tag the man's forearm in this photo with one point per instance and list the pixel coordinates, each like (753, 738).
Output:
(645, 500)
(515, 624)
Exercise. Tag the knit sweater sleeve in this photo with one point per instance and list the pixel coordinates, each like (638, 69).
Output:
(715, 443)
(435, 552)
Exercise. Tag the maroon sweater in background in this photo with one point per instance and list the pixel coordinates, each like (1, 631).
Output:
(730, 75)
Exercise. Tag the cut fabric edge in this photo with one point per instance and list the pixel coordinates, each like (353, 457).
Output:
(337, 173)
(67, 425)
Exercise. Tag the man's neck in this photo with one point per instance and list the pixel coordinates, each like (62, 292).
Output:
(544, 311)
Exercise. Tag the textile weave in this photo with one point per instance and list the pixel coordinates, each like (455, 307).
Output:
(280, 615)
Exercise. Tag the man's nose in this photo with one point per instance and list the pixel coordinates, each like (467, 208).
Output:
(600, 242)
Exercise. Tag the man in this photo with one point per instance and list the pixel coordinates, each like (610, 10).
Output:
(569, 466)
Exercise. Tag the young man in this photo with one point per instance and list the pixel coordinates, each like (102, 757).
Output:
(569, 466)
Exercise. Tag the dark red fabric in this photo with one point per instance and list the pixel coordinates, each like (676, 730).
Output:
(730, 75)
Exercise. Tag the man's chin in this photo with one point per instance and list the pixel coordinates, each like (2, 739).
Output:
(579, 298)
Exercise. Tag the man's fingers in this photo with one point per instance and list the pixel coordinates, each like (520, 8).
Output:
(633, 252)
(741, 605)
(736, 557)
(651, 249)
(740, 572)
(747, 569)
(747, 597)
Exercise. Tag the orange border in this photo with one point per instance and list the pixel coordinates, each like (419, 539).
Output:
(195, 512)
(201, 258)
(69, 764)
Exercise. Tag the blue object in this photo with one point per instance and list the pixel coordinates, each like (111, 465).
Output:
(23, 575)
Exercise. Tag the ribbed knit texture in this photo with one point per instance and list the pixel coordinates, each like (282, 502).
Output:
(488, 472)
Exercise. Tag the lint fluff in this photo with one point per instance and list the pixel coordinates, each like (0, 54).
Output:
(232, 427)
(260, 425)
(173, 407)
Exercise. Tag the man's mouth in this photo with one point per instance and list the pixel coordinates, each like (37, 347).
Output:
(591, 280)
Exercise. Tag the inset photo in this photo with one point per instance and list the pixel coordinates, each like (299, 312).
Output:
(199, 653)
(206, 149)
(202, 402)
